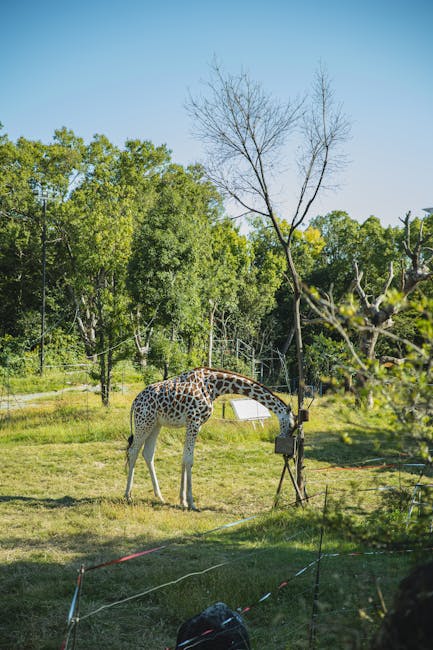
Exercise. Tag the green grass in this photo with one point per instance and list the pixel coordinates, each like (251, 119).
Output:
(63, 479)
(57, 378)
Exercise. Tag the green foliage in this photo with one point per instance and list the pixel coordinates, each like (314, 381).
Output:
(347, 241)
(166, 350)
(26, 168)
(270, 265)
(407, 388)
(170, 249)
(403, 385)
(325, 359)
(138, 246)
(63, 348)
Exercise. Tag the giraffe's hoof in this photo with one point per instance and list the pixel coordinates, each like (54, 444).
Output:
(193, 508)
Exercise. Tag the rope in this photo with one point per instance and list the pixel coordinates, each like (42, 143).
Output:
(152, 589)
(126, 558)
(285, 583)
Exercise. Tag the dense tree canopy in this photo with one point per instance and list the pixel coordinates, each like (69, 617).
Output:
(142, 263)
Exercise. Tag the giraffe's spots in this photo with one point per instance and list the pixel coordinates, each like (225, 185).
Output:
(188, 401)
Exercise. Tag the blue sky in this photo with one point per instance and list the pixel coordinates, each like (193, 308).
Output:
(124, 68)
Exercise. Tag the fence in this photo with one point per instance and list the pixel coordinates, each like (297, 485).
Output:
(305, 606)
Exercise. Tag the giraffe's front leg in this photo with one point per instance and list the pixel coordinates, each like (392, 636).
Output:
(186, 498)
(183, 501)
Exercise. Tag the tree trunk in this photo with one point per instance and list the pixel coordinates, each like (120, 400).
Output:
(105, 372)
(300, 478)
(211, 328)
(368, 347)
(288, 341)
(105, 356)
(297, 289)
(142, 348)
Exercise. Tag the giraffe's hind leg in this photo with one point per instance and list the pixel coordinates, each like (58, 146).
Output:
(132, 454)
(148, 455)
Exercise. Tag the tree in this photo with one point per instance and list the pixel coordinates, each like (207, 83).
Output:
(378, 313)
(225, 279)
(346, 242)
(270, 261)
(96, 225)
(244, 131)
(170, 256)
(372, 316)
(26, 168)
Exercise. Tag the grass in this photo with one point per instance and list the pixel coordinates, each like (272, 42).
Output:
(61, 500)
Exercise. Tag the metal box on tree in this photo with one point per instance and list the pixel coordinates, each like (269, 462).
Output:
(285, 445)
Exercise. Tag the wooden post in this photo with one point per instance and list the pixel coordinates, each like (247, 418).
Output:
(287, 446)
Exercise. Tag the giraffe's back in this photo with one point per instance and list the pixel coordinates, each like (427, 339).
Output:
(172, 403)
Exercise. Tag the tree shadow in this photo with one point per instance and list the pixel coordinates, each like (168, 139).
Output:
(46, 502)
(360, 444)
(36, 595)
(168, 581)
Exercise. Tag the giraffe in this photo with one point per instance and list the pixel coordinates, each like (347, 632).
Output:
(187, 400)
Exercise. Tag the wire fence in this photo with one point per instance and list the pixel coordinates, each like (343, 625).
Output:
(70, 378)
(316, 581)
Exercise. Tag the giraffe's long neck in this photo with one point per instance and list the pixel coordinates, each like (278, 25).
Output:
(227, 383)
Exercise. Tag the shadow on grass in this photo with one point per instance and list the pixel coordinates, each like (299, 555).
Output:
(72, 502)
(360, 445)
(61, 502)
(36, 595)
(140, 603)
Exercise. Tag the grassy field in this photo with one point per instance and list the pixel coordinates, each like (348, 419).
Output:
(62, 506)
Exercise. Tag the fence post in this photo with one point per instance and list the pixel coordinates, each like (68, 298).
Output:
(312, 643)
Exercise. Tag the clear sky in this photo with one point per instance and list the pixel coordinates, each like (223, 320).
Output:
(124, 68)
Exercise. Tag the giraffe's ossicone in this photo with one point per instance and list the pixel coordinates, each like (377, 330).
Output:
(187, 400)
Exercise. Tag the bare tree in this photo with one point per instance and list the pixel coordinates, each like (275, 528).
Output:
(244, 131)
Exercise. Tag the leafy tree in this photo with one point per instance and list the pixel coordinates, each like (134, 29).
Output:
(270, 261)
(348, 242)
(225, 279)
(26, 168)
(325, 359)
(371, 316)
(96, 224)
(170, 253)
(335, 264)
(406, 386)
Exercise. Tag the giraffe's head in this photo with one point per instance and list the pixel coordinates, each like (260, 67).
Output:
(287, 422)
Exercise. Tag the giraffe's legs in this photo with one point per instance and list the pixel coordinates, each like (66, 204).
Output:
(186, 498)
(148, 455)
(132, 457)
